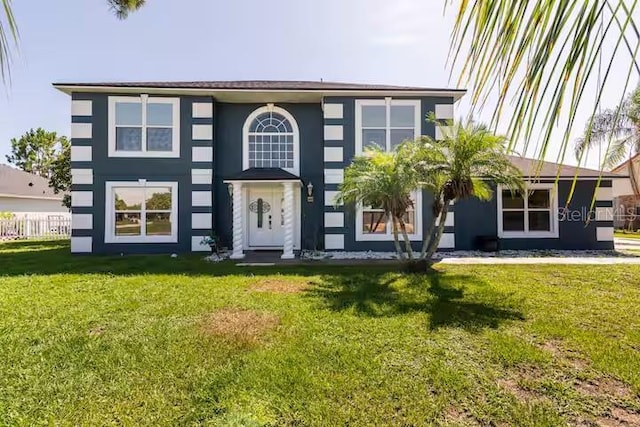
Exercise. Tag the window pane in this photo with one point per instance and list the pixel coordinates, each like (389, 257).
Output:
(158, 224)
(409, 222)
(128, 199)
(128, 114)
(512, 201)
(159, 139)
(398, 136)
(159, 114)
(374, 137)
(374, 116)
(374, 223)
(129, 139)
(513, 221)
(539, 199)
(158, 199)
(540, 221)
(127, 224)
(403, 116)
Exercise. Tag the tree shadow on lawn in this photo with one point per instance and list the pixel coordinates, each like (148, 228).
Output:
(440, 295)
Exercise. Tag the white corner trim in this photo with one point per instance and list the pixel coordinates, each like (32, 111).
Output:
(82, 221)
(333, 111)
(450, 220)
(81, 107)
(202, 132)
(604, 214)
(448, 241)
(81, 199)
(202, 154)
(109, 223)
(333, 154)
(334, 219)
(81, 153)
(201, 221)
(82, 176)
(333, 133)
(604, 194)
(201, 176)
(444, 111)
(196, 246)
(202, 110)
(81, 130)
(333, 176)
(334, 241)
(604, 234)
(329, 198)
(201, 198)
(81, 245)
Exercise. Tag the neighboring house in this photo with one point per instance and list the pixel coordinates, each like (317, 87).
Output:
(626, 195)
(25, 194)
(157, 166)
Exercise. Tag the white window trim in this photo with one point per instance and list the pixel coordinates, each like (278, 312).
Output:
(109, 223)
(373, 237)
(388, 102)
(554, 233)
(143, 99)
(417, 196)
(296, 136)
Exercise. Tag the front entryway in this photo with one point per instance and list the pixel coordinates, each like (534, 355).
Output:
(266, 217)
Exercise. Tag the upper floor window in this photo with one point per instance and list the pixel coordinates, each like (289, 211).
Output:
(386, 123)
(271, 140)
(534, 215)
(144, 126)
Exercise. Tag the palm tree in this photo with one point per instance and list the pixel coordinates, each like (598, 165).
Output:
(619, 130)
(464, 164)
(382, 180)
(9, 28)
(540, 56)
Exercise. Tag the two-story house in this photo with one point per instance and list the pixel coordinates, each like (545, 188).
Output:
(156, 166)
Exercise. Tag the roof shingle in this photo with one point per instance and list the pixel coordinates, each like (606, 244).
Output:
(15, 182)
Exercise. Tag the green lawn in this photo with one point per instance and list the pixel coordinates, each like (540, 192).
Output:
(627, 235)
(151, 340)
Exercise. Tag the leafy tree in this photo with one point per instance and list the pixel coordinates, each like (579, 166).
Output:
(122, 8)
(36, 150)
(464, 164)
(60, 179)
(384, 180)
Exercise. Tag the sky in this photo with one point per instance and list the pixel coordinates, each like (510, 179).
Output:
(404, 42)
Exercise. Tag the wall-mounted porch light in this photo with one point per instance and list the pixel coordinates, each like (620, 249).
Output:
(309, 192)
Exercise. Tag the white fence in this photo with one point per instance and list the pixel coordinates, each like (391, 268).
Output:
(36, 227)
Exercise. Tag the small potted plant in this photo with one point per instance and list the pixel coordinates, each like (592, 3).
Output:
(211, 240)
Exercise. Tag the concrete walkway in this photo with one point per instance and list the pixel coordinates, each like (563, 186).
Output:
(623, 244)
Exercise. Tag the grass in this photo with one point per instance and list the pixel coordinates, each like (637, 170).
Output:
(626, 234)
(151, 340)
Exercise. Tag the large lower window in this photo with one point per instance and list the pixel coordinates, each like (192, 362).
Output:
(142, 126)
(534, 214)
(141, 212)
(373, 224)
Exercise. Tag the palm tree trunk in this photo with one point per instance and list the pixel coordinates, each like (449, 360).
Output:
(429, 235)
(436, 241)
(396, 242)
(405, 236)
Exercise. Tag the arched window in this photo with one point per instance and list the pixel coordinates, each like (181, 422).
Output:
(271, 140)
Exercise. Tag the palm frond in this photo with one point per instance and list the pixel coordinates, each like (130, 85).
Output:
(541, 54)
(8, 40)
(122, 8)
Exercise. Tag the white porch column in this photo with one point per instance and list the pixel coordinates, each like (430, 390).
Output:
(238, 233)
(287, 252)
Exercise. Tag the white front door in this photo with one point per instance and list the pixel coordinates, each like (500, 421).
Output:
(266, 220)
